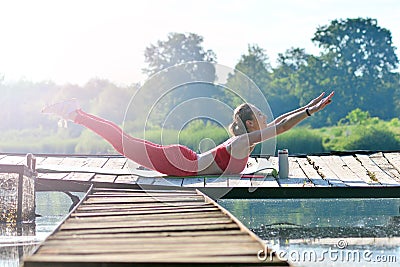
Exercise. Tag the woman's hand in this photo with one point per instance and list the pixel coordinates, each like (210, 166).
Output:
(315, 101)
(321, 104)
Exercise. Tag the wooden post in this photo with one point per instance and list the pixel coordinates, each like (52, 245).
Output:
(20, 193)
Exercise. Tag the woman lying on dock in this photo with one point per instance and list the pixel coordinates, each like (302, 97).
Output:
(249, 127)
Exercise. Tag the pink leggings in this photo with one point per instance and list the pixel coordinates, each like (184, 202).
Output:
(174, 160)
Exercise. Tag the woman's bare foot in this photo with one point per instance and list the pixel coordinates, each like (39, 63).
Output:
(66, 109)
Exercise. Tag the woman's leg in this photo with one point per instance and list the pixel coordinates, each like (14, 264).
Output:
(115, 126)
(172, 160)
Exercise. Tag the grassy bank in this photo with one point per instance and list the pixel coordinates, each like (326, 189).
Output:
(372, 135)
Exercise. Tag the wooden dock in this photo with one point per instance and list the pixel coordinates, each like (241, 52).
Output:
(335, 175)
(133, 227)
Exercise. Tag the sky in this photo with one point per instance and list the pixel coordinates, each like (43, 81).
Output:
(72, 41)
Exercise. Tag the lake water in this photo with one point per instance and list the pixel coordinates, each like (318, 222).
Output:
(18, 240)
(311, 232)
(325, 232)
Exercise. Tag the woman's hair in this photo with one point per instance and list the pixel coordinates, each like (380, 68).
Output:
(242, 113)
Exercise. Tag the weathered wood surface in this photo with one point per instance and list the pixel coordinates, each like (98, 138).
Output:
(138, 227)
(340, 170)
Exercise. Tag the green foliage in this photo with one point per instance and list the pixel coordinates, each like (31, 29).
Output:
(198, 131)
(360, 132)
(359, 44)
(359, 59)
(357, 62)
(371, 138)
(356, 117)
(179, 48)
(255, 64)
(250, 77)
(300, 140)
(191, 136)
(395, 122)
(90, 143)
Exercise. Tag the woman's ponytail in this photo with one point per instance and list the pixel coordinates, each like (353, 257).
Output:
(241, 114)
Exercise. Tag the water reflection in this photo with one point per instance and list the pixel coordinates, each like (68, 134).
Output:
(21, 239)
(17, 240)
(320, 225)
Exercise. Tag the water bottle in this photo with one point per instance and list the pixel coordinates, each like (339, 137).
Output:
(283, 163)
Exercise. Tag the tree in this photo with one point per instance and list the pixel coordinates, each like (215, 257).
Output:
(283, 89)
(356, 117)
(179, 48)
(360, 45)
(255, 64)
(293, 59)
(250, 77)
(360, 58)
(179, 70)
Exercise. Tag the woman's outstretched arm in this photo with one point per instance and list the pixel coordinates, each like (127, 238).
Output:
(283, 116)
(289, 120)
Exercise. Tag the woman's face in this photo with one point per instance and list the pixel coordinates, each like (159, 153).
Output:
(259, 120)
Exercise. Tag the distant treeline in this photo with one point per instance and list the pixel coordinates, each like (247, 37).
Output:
(357, 61)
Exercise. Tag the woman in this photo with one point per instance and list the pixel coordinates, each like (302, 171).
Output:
(249, 127)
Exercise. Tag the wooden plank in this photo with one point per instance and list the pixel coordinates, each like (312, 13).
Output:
(84, 162)
(159, 259)
(145, 180)
(13, 160)
(131, 165)
(385, 165)
(140, 200)
(146, 240)
(105, 224)
(257, 165)
(394, 159)
(95, 162)
(164, 212)
(216, 182)
(115, 163)
(339, 167)
(112, 163)
(294, 169)
(375, 172)
(194, 213)
(274, 162)
(174, 250)
(207, 227)
(126, 179)
(237, 181)
(311, 173)
(151, 232)
(104, 178)
(296, 178)
(79, 162)
(193, 182)
(110, 191)
(154, 235)
(53, 161)
(117, 195)
(324, 171)
(168, 181)
(136, 207)
(358, 169)
(264, 182)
